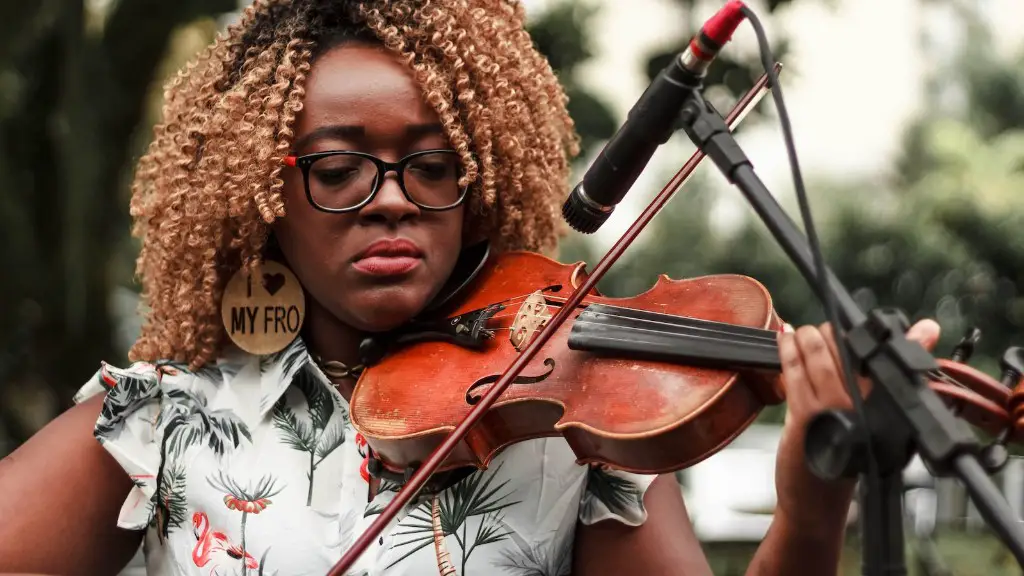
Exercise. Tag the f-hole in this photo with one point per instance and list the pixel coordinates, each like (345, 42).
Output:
(472, 400)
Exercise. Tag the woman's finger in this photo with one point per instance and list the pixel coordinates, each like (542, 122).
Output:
(926, 332)
(821, 367)
(799, 391)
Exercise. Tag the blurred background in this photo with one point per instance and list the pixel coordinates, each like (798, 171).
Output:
(908, 117)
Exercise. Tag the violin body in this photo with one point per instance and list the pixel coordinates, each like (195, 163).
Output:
(631, 413)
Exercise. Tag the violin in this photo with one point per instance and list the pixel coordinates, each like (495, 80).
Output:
(649, 384)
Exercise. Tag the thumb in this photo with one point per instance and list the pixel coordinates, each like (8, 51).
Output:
(926, 332)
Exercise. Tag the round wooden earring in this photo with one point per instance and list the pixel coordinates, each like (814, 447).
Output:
(263, 315)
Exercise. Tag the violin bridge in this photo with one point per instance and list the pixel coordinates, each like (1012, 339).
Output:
(532, 316)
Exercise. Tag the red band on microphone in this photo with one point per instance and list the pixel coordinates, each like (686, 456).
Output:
(720, 27)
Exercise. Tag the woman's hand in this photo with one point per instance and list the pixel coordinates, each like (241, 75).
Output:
(813, 378)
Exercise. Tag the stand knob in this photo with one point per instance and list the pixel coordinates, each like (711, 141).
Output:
(995, 456)
(1012, 365)
(833, 445)
(963, 351)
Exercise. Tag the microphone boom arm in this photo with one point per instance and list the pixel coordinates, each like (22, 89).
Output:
(903, 414)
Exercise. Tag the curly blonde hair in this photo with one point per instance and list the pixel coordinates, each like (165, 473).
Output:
(210, 183)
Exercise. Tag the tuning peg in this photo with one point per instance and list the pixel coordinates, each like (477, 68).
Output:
(995, 455)
(1012, 365)
(963, 351)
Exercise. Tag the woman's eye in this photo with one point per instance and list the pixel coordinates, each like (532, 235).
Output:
(431, 170)
(335, 176)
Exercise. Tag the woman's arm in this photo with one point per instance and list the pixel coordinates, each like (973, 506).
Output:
(664, 544)
(60, 495)
(807, 531)
(809, 540)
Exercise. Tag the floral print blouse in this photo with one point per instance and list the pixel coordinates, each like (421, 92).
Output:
(252, 466)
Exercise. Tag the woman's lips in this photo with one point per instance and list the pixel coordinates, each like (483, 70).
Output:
(388, 257)
(387, 265)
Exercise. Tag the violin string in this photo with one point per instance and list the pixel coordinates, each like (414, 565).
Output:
(684, 323)
(722, 334)
(937, 375)
(682, 332)
(609, 311)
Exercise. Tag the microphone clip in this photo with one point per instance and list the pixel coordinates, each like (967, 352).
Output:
(708, 130)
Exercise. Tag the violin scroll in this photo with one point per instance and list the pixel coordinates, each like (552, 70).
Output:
(994, 406)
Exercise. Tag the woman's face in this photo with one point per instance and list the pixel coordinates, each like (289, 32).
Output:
(379, 266)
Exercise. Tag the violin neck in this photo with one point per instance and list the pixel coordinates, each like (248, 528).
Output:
(645, 335)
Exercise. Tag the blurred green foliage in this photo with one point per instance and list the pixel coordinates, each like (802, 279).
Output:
(76, 81)
(941, 239)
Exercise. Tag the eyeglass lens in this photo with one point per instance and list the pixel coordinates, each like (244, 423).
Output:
(343, 180)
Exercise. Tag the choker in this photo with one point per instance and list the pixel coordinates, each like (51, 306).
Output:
(337, 371)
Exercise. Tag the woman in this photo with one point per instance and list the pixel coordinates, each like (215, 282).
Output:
(243, 462)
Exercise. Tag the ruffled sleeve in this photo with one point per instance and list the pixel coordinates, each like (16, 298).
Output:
(614, 495)
(128, 429)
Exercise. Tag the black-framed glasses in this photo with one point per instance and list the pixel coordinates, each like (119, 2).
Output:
(345, 181)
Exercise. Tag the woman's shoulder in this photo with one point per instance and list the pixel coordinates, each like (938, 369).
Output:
(143, 382)
(149, 408)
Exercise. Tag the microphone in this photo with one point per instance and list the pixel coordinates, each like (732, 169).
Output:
(649, 124)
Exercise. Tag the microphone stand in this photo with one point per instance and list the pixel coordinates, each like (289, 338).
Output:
(903, 414)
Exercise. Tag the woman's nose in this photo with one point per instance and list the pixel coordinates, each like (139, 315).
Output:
(390, 204)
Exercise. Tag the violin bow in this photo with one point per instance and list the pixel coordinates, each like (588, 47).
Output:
(416, 482)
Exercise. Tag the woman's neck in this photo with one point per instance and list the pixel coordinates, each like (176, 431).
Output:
(330, 339)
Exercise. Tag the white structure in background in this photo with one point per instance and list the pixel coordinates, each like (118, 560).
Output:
(731, 495)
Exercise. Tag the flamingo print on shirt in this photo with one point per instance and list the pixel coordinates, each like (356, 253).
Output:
(214, 546)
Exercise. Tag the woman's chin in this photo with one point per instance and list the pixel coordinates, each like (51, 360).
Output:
(381, 313)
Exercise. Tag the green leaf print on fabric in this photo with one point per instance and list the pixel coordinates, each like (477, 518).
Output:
(126, 390)
(616, 493)
(385, 493)
(172, 503)
(319, 433)
(208, 372)
(446, 513)
(290, 359)
(188, 422)
(549, 557)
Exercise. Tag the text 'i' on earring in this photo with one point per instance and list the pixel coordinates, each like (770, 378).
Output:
(262, 315)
